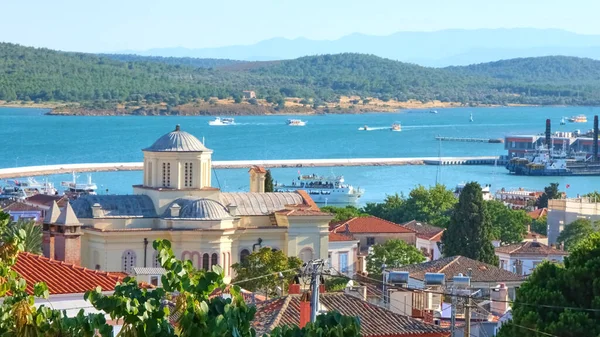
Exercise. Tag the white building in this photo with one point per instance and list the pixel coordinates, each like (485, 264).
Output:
(429, 238)
(522, 258)
(343, 253)
(562, 212)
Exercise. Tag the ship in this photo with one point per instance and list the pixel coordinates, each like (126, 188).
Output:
(74, 189)
(25, 188)
(324, 190)
(222, 121)
(364, 128)
(295, 122)
(396, 127)
(578, 119)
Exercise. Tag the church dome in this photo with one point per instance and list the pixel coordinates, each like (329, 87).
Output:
(177, 141)
(199, 209)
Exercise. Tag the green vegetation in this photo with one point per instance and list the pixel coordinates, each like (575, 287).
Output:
(540, 225)
(268, 181)
(577, 231)
(335, 283)
(542, 301)
(550, 192)
(470, 230)
(103, 81)
(32, 242)
(393, 253)
(508, 225)
(344, 213)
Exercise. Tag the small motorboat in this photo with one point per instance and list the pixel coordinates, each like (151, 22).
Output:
(471, 118)
(433, 111)
(396, 127)
(222, 121)
(364, 128)
(296, 122)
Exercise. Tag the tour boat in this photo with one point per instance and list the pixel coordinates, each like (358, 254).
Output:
(73, 188)
(325, 190)
(396, 127)
(578, 119)
(296, 122)
(222, 121)
(22, 189)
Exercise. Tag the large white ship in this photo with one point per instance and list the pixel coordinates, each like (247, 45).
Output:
(73, 188)
(22, 189)
(324, 190)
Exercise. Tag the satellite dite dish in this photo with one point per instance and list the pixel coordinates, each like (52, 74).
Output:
(462, 282)
(435, 279)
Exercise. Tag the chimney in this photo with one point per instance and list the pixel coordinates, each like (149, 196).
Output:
(257, 179)
(68, 237)
(304, 309)
(232, 209)
(595, 138)
(96, 210)
(174, 210)
(499, 299)
(294, 289)
(548, 134)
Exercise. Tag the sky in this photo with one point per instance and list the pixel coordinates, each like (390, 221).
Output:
(118, 25)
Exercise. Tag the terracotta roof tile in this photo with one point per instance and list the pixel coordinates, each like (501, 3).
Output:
(538, 213)
(371, 224)
(303, 211)
(453, 265)
(62, 278)
(307, 199)
(46, 200)
(425, 231)
(529, 248)
(18, 206)
(375, 321)
(340, 237)
(257, 169)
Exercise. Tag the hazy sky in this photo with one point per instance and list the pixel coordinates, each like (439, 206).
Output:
(114, 25)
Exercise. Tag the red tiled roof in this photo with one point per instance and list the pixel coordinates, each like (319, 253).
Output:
(375, 321)
(340, 237)
(425, 231)
(302, 212)
(529, 248)
(538, 213)
(371, 224)
(533, 235)
(258, 169)
(307, 199)
(18, 206)
(46, 200)
(62, 278)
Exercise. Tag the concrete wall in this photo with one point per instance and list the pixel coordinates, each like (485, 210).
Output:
(562, 212)
(529, 263)
(430, 247)
(409, 238)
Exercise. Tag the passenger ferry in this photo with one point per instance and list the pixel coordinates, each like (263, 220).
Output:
(324, 190)
(578, 119)
(396, 127)
(22, 189)
(296, 122)
(74, 189)
(222, 121)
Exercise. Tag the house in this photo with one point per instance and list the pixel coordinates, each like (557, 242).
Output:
(343, 253)
(176, 201)
(428, 238)
(375, 321)
(372, 230)
(483, 276)
(538, 213)
(518, 198)
(522, 258)
(149, 275)
(247, 94)
(561, 212)
(21, 211)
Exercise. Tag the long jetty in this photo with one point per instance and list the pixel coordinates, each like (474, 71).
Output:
(31, 171)
(467, 139)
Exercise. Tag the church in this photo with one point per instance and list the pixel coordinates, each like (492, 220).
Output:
(177, 202)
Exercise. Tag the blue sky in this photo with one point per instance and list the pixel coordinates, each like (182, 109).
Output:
(113, 25)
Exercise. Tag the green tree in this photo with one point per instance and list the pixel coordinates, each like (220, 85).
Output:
(595, 196)
(266, 261)
(540, 225)
(391, 209)
(470, 231)
(343, 213)
(431, 205)
(33, 235)
(577, 231)
(268, 182)
(508, 225)
(237, 99)
(541, 300)
(550, 192)
(393, 253)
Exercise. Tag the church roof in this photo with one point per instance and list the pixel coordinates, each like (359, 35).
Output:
(198, 209)
(177, 141)
(260, 203)
(114, 206)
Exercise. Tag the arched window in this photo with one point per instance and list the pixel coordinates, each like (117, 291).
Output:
(128, 260)
(205, 261)
(155, 260)
(244, 254)
(306, 254)
(214, 259)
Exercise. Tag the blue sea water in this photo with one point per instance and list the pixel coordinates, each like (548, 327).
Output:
(28, 137)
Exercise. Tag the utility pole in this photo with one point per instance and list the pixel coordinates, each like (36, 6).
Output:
(468, 316)
(314, 284)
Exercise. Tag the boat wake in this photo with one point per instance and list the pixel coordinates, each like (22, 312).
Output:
(378, 128)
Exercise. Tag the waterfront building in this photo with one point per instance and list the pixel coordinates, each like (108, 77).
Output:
(518, 198)
(522, 258)
(561, 212)
(518, 146)
(176, 201)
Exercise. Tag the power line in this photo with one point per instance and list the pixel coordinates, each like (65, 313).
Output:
(263, 276)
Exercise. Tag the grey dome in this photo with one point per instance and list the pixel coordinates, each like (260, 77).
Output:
(201, 209)
(177, 141)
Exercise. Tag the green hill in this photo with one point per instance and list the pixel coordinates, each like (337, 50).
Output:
(181, 61)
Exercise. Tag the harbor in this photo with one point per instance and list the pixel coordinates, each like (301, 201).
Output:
(467, 139)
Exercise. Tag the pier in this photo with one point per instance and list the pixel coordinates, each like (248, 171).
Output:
(31, 171)
(467, 139)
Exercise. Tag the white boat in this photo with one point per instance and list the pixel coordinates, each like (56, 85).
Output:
(324, 190)
(433, 111)
(563, 121)
(222, 121)
(364, 128)
(296, 122)
(74, 188)
(471, 118)
(22, 189)
(397, 127)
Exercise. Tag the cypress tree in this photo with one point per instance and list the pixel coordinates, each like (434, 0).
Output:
(268, 182)
(470, 230)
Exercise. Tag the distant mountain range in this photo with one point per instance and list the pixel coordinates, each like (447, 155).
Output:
(437, 49)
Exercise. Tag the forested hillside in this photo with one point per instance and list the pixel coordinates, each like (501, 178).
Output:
(30, 74)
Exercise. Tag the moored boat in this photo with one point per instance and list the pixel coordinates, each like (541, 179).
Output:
(325, 190)
(578, 119)
(25, 188)
(74, 189)
(222, 121)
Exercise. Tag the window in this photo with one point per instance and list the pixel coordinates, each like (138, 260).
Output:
(128, 260)
(205, 261)
(187, 175)
(155, 260)
(166, 174)
(370, 241)
(343, 262)
(214, 260)
(244, 254)
(154, 280)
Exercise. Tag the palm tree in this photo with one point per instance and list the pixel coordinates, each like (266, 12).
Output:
(33, 235)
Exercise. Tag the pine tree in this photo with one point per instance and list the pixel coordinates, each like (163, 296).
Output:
(268, 182)
(470, 230)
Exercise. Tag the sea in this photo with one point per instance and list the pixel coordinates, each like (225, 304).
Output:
(29, 137)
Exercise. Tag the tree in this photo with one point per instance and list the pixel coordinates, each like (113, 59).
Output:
(550, 192)
(393, 253)
(391, 209)
(594, 196)
(237, 99)
(265, 261)
(430, 205)
(470, 231)
(253, 101)
(540, 225)
(33, 235)
(508, 225)
(268, 182)
(541, 300)
(576, 231)
(343, 213)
